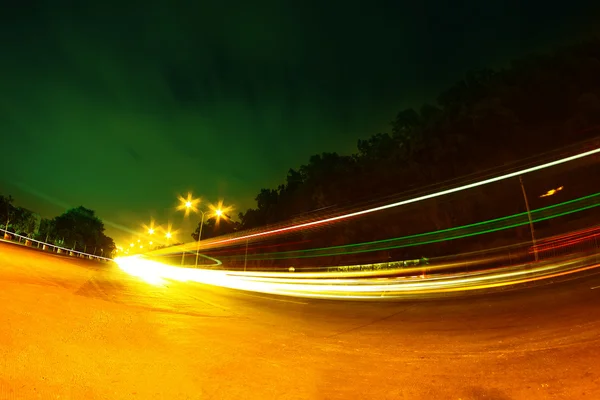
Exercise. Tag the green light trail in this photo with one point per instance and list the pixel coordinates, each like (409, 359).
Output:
(478, 228)
(408, 201)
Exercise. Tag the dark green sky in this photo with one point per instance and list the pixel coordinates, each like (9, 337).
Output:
(120, 106)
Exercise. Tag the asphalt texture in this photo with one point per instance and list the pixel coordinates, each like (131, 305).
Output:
(78, 329)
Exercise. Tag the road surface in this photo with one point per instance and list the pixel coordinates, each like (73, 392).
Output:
(77, 329)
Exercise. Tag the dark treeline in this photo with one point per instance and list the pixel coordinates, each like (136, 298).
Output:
(213, 227)
(78, 228)
(488, 119)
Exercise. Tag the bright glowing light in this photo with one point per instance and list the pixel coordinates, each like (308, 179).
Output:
(413, 200)
(295, 284)
(147, 273)
(150, 243)
(552, 192)
(219, 210)
(188, 204)
(131, 244)
(170, 233)
(150, 229)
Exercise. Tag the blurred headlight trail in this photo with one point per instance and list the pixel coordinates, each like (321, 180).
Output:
(443, 235)
(336, 218)
(342, 286)
(413, 200)
(459, 232)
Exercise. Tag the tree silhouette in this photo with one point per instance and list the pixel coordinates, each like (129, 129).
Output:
(486, 119)
(213, 227)
(82, 230)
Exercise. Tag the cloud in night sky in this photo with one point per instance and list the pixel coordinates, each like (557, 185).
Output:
(119, 106)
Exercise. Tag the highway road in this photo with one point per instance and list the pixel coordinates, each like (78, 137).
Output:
(77, 329)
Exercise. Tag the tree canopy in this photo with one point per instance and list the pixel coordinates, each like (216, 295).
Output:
(16, 219)
(81, 229)
(486, 119)
(78, 228)
(216, 227)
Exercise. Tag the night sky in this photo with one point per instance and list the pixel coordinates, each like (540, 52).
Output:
(120, 106)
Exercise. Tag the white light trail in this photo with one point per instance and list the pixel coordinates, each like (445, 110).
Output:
(342, 287)
(413, 200)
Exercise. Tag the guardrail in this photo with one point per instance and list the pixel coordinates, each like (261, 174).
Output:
(29, 242)
(380, 266)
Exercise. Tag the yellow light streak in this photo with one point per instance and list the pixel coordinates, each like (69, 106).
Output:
(347, 285)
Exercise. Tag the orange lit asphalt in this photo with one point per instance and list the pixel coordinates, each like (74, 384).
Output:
(77, 329)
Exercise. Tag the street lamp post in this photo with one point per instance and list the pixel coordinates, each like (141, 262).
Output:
(199, 236)
(168, 236)
(188, 205)
(246, 256)
(535, 252)
(217, 213)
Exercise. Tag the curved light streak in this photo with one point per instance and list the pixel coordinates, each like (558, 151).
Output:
(483, 227)
(459, 232)
(217, 261)
(413, 200)
(364, 288)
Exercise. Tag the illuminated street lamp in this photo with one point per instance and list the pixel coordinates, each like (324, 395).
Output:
(218, 213)
(151, 229)
(190, 204)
